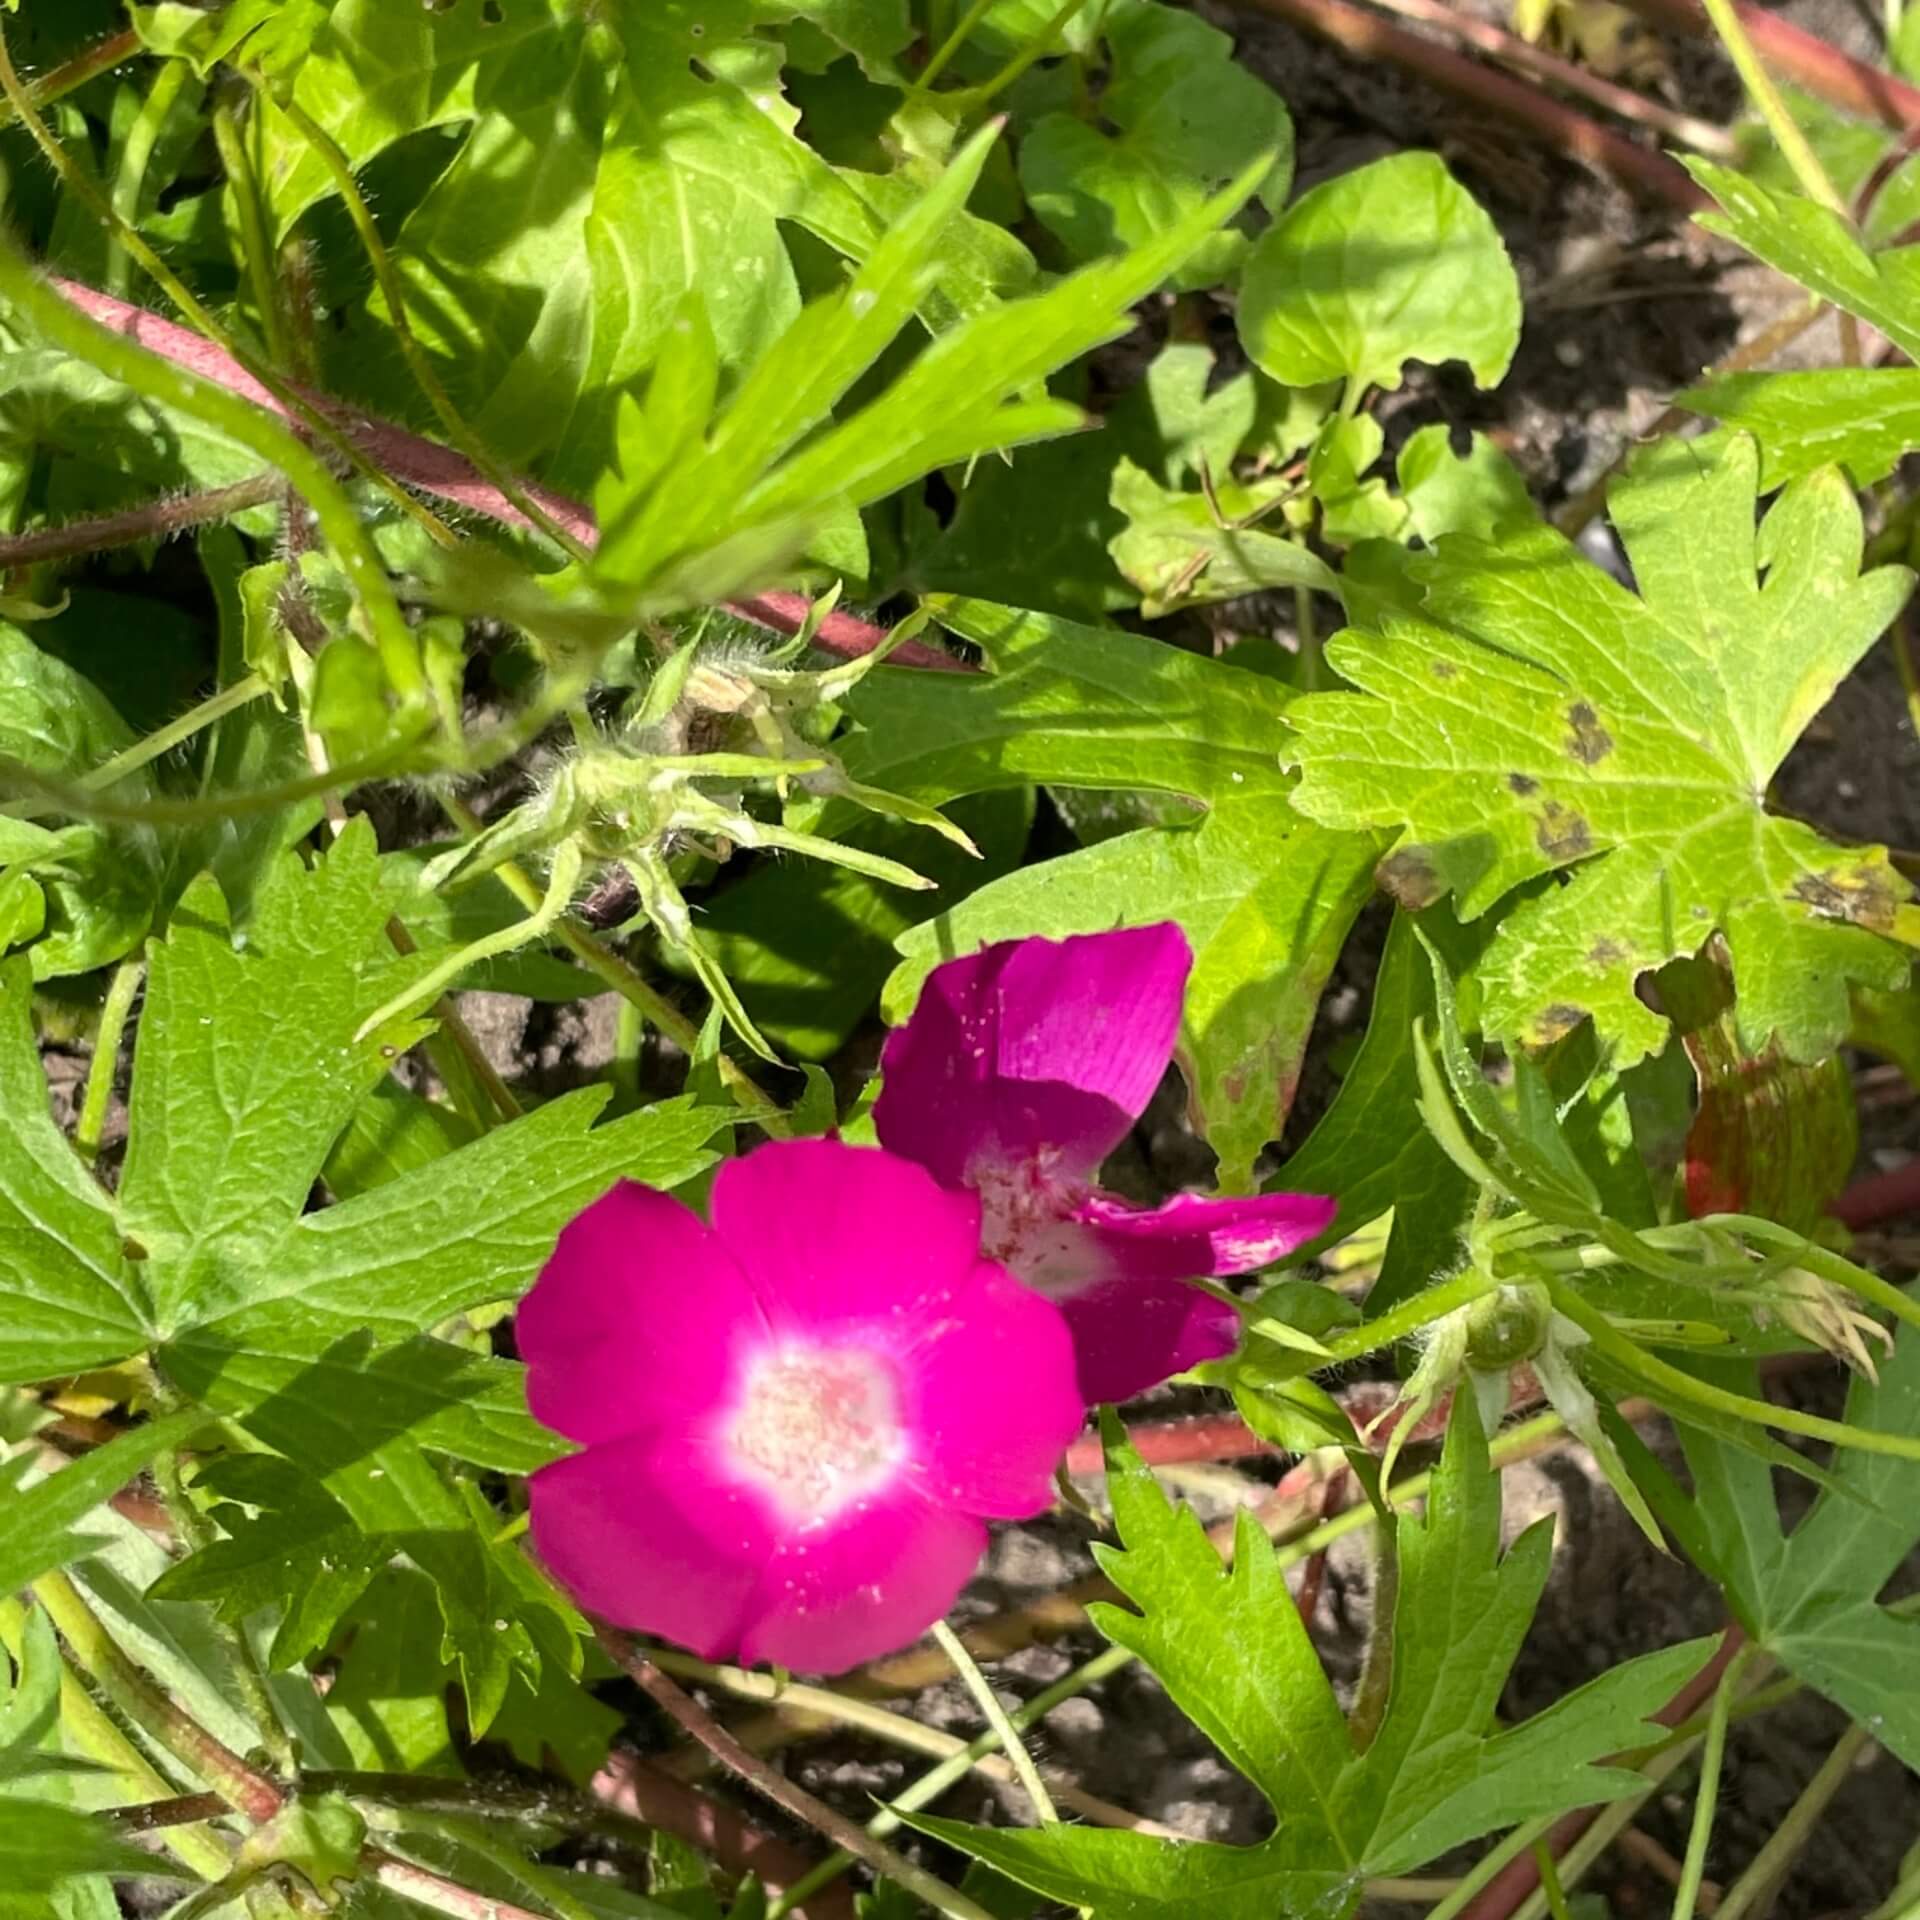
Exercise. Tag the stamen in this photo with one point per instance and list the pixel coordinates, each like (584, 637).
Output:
(818, 1427)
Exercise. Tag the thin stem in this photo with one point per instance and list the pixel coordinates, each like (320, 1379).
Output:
(1041, 44)
(256, 246)
(537, 925)
(439, 1894)
(393, 289)
(105, 1064)
(1489, 1867)
(1434, 1303)
(600, 960)
(1550, 1880)
(1793, 1833)
(178, 1810)
(783, 1792)
(952, 44)
(133, 366)
(1707, 1794)
(57, 82)
(163, 740)
(243, 1787)
(135, 157)
(75, 180)
(1680, 1386)
(996, 1717)
(1793, 143)
(157, 520)
(92, 1731)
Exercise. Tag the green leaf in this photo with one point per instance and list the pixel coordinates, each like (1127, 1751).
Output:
(1073, 705)
(1818, 249)
(1229, 1645)
(392, 1132)
(101, 887)
(1266, 900)
(1372, 1150)
(471, 1227)
(38, 1523)
(1188, 119)
(1393, 262)
(69, 1299)
(42, 1845)
(1811, 1598)
(1477, 492)
(1179, 549)
(234, 1105)
(1864, 419)
(1545, 717)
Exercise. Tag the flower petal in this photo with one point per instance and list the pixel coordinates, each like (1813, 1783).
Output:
(1035, 1048)
(1130, 1334)
(646, 1533)
(635, 1320)
(832, 1236)
(992, 1402)
(1192, 1234)
(862, 1585)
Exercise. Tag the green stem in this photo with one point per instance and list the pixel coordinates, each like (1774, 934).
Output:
(953, 42)
(295, 402)
(98, 1654)
(604, 964)
(988, 1702)
(1549, 1870)
(1680, 1386)
(1793, 1833)
(91, 1730)
(254, 428)
(163, 740)
(327, 150)
(135, 157)
(974, 98)
(1822, 1261)
(105, 1064)
(1706, 1796)
(1434, 1303)
(1794, 144)
(255, 246)
(1490, 1865)
(536, 926)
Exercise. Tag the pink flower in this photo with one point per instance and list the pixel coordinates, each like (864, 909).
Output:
(1022, 1068)
(794, 1420)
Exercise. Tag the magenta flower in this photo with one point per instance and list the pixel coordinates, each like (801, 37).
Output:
(1022, 1068)
(793, 1421)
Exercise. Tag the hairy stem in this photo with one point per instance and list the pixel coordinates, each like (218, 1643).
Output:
(157, 520)
(163, 740)
(214, 406)
(255, 246)
(327, 150)
(242, 1787)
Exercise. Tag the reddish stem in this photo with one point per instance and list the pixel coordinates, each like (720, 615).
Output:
(434, 469)
(1803, 58)
(1651, 175)
(1880, 1196)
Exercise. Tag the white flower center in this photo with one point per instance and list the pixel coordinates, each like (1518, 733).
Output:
(818, 1427)
(1026, 1224)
